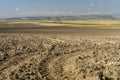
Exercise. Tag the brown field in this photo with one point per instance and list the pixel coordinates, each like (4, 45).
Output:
(63, 30)
(59, 53)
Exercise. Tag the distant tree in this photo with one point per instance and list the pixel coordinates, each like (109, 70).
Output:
(57, 20)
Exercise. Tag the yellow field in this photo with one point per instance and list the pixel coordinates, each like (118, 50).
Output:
(74, 23)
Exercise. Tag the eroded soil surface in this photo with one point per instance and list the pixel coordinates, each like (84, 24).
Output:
(59, 57)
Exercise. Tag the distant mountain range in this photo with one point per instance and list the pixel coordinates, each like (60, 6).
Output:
(116, 15)
(81, 17)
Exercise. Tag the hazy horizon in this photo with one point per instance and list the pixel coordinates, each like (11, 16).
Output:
(19, 8)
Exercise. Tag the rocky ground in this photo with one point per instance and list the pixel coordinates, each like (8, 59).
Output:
(59, 57)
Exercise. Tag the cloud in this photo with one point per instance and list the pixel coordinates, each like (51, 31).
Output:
(44, 12)
(17, 9)
(91, 5)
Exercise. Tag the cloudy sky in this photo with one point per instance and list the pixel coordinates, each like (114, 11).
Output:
(10, 8)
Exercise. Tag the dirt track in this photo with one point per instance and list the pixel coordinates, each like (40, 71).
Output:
(70, 54)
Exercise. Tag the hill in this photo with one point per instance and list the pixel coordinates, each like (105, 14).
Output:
(81, 17)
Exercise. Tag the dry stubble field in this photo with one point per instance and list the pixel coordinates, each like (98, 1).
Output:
(59, 54)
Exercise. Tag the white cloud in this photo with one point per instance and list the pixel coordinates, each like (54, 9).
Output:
(44, 12)
(17, 9)
(92, 5)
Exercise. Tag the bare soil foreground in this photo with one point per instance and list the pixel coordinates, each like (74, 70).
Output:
(59, 54)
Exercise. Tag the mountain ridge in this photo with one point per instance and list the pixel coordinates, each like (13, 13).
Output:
(72, 17)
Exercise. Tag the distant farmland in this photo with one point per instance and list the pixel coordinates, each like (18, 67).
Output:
(113, 24)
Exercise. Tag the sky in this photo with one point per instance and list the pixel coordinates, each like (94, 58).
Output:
(16, 8)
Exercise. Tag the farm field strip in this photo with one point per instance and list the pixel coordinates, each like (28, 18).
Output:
(112, 24)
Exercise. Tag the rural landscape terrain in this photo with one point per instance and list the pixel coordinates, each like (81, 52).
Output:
(86, 49)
